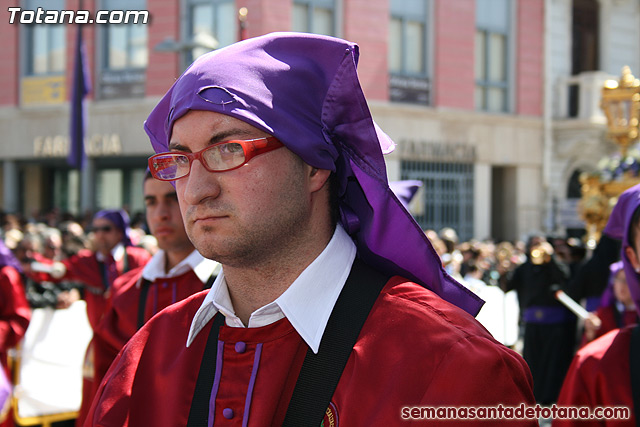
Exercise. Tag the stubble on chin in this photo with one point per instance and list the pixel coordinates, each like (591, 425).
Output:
(208, 243)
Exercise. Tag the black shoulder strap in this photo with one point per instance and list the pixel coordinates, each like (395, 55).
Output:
(102, 266)
(199, 412)
(142, 303)
(125, 261)
(321, 372)
(634, 367)
(210, 281)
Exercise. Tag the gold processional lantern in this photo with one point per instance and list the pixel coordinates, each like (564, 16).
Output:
(600, 191)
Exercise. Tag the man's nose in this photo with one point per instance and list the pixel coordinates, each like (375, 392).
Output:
(200, 184)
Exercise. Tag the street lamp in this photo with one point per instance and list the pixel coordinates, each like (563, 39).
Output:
(621, 105)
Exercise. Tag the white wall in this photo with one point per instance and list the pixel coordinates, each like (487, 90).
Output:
(620, 35)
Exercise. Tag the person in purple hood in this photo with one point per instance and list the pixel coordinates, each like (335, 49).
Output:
(331, 306)
(96, 269)
(605, 371)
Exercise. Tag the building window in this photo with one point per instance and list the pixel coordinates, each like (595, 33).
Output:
(43, 59)
(407, 53)
(118, 187)
(314, 16)
(448, 190)
(212, 24)
(126, 44)
(491, 54)
(124, 55)
(45, 43)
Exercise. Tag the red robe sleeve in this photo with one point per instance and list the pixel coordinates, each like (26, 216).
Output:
(120, 321)
(84, 267)
(599, 375)
(14, 309)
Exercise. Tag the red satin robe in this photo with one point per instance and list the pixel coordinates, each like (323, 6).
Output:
(120, 321)
(84, 268)
(15, 315)
(414, 349)
(609, 319)
(599, 376)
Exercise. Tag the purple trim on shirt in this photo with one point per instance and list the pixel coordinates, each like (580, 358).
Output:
(174, 295)
(252, 382)
(216, 384)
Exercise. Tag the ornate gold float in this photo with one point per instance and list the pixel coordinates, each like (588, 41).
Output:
(600, 190)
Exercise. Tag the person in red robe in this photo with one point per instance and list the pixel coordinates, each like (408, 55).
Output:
(175, 272)
(15, 315)
(600, 372)
(280, 177)
(97, 269)
(616, 309)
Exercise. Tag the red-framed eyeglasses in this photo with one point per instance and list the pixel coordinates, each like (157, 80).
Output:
(220, 157)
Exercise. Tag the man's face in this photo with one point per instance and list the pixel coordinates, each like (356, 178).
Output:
(243, 216)
(105, 235)
(632, 250)
(163, 216)
(621, 289)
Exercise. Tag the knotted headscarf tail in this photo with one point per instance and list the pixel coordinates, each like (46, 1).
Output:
(304, 90)
(618, 228)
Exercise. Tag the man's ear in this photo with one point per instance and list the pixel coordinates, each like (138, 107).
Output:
(318, 177)
(633, 259)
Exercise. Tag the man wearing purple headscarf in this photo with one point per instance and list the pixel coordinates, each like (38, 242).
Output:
(616, 309)
(97, 269)
(279, 174)
(112, 255)
(601, 371)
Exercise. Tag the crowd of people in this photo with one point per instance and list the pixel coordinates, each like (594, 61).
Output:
(329, 302)
(548, 335)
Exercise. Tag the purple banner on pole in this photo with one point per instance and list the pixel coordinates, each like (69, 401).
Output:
(81, 87)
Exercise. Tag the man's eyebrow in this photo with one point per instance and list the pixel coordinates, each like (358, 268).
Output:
(218, 137)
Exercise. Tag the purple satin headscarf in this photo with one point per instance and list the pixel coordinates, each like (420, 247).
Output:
(304, 90)
(617, 228)
(608, 296)
(8, 258)
(405, 190)
(120, 219)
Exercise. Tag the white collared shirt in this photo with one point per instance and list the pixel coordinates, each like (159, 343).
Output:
(117, 253)
(307, 303)
(202, 267)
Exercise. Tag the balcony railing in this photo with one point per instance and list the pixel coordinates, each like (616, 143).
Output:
(579, 96)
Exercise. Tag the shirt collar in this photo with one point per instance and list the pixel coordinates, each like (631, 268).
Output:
(307, 303)
(202, 267)
(117, 253)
